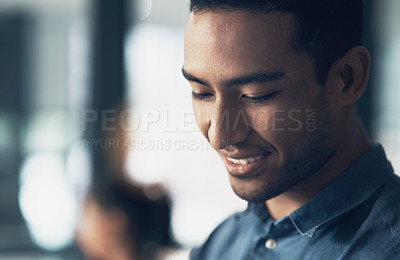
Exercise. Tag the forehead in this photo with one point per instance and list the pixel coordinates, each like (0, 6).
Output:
(238, 41)
(239, 22)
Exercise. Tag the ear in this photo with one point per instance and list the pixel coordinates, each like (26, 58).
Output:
(352, 72)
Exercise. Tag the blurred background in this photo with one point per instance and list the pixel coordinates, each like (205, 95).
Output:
(97, 133)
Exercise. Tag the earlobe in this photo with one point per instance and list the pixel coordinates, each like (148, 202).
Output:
(354, 72)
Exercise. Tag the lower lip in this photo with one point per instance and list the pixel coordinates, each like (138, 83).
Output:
(244, 171)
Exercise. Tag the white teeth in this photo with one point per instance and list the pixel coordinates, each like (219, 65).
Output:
(235, 161)
(245, 160)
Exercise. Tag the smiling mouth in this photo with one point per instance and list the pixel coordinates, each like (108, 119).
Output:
(244, 161)
(244, 168)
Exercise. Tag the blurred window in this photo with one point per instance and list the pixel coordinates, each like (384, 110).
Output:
(387, 33)
(44, 53)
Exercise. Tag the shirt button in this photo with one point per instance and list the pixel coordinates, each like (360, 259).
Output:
(271, 244)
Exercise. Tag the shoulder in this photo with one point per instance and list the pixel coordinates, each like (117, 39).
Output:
(221, 236)
(371, 230)
(379, 235)
(388, 206)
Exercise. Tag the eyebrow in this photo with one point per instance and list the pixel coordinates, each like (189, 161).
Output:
(258, 77)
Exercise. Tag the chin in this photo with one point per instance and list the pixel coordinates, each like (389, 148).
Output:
(254, 192)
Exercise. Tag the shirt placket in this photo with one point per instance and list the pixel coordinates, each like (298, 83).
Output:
(268, 243)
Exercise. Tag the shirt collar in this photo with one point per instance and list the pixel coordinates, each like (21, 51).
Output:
(355, 185)
(359, 182)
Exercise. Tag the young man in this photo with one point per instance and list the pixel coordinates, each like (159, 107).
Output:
(275, 84)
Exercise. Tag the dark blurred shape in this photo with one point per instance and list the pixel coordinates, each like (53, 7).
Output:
(108, 71)
(121, 222)
(13, 86)
(126, 221)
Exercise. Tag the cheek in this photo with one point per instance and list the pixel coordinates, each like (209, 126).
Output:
(279, 126)
(262, 120)
(272, 119)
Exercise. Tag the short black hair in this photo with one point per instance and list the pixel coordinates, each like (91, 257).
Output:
(324, 29)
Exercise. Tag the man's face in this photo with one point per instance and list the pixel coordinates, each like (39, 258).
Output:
(256, 100)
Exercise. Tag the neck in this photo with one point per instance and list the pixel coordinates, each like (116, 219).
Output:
(351, 147)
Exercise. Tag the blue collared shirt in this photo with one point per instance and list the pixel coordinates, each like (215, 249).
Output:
(357, 216)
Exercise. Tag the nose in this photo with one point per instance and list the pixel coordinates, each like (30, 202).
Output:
(228, 125)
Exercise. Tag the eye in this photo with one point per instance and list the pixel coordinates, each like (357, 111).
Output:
(201, 96)
(260, 99)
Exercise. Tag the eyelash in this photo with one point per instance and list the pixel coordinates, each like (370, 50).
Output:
(248, 100)
(258, 100)
(198, 96)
